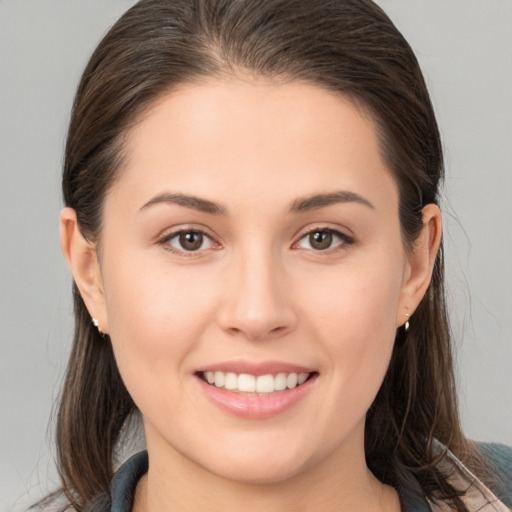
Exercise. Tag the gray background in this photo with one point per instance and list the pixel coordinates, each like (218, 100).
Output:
(465, 48)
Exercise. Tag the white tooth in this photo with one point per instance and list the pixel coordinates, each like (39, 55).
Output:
(265, 384)
(246, 383)
(231, 381)
(219, 379)
(302, 378)
(280, 382)
(210, 377)
(291, 380)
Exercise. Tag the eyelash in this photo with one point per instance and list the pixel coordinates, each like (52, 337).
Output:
(345, 240)
(165, 241)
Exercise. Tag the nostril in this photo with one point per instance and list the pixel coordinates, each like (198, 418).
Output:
(279, 329)
(258, 332)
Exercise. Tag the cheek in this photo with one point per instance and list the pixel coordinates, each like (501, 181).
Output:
(354, 317)
(356, 298)
(145, 294)
(155, 319)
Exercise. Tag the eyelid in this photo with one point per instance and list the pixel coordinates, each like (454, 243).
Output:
(165, 236)
(168, 234)
(346, 238)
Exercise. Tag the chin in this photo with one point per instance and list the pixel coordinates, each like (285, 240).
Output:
(262, 461)
(258, 472)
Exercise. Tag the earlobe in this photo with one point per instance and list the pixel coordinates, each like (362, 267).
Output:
(421, 263)
(82, 259)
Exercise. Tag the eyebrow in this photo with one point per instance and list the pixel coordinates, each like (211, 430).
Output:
(298, 206)
(194, 202)
(322, 200)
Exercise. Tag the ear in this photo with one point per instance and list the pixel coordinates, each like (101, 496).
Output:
(421, 262)
(82, 259)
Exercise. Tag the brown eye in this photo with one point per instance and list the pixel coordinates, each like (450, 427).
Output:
(191, 240)
(187, 241)
(320, 240)
(324, 240)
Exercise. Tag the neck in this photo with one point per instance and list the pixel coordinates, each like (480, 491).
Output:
(335, 485)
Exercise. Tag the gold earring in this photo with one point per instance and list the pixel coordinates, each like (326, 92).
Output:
(96, 324)
(407, 324)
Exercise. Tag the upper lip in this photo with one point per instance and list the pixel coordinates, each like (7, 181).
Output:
(255, 368)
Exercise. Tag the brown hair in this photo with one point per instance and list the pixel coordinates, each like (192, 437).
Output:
(348, 46)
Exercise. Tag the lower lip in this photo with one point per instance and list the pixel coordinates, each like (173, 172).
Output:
(256, 406)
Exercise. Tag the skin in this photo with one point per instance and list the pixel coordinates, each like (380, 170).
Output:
(256, 290)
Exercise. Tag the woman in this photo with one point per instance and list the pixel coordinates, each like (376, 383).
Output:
(251, 221)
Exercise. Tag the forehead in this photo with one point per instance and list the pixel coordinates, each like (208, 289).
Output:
(257, 138)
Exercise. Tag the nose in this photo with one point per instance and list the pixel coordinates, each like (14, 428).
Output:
(258, 302)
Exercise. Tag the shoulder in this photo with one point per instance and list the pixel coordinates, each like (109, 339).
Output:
(499, 456)
(118, 499)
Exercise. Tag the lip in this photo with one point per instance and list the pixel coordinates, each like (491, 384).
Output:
(253, 406)
(255, 368)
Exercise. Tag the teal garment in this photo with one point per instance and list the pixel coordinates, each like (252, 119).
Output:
(125, 482)
(500, 457)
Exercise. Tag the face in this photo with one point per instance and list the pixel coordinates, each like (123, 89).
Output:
(252, 243)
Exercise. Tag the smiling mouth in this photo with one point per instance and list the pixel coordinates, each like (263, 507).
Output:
(251, 384)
